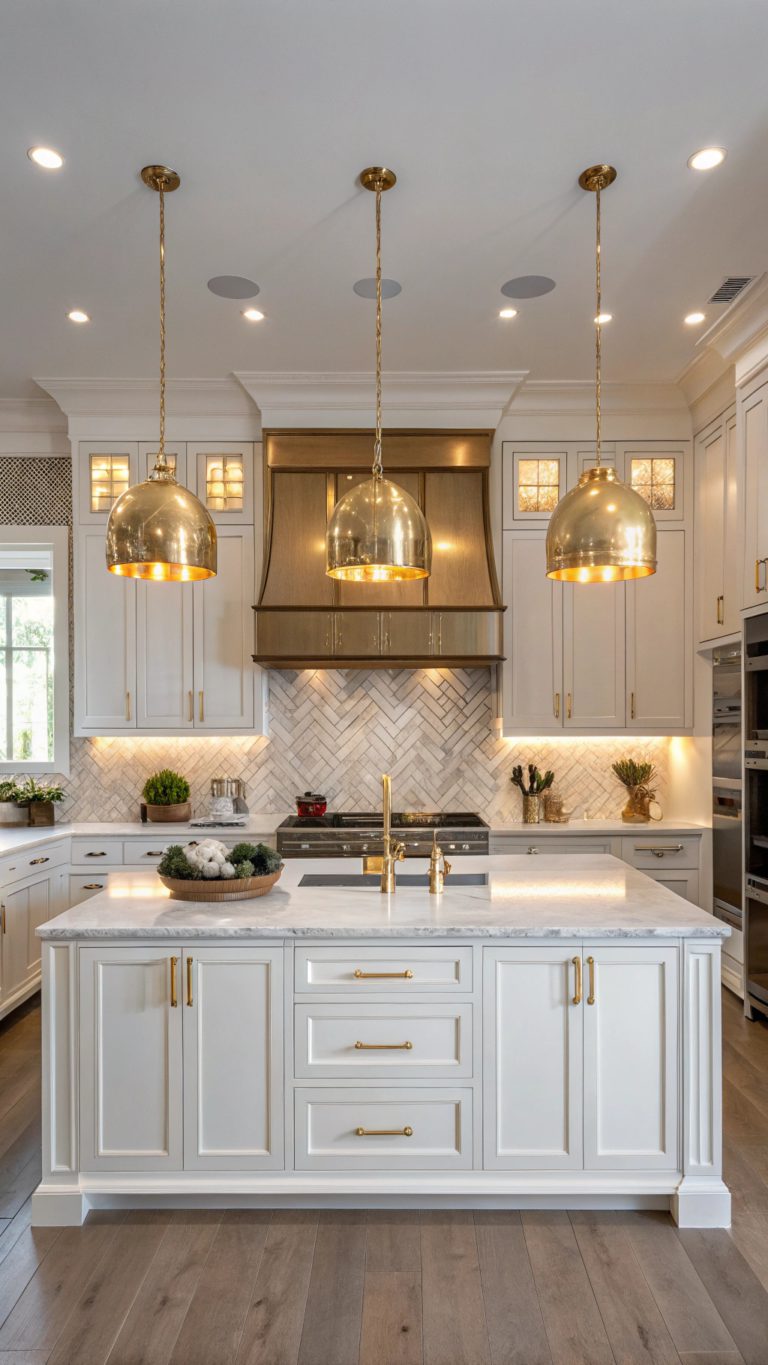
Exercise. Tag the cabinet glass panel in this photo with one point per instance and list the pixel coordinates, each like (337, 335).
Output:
(109, 477)
(653, 477)
(224, 477)
(538, 485)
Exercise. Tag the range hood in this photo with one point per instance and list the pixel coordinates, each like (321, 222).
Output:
(304, 619)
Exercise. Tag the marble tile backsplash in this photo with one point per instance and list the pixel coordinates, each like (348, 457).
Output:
(337, 731)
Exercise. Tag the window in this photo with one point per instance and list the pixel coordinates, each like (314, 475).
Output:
(538, 485)
(654, 479)
(224, 483)
(34, 654)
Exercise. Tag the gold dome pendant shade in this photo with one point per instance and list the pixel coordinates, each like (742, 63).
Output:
(602, 531)
(157, 529)
(377, 532)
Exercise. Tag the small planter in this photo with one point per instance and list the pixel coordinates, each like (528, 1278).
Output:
(220, 888)
(638, 808)
(41, 813)
(177, 814)
(12, 814)
(530, 808)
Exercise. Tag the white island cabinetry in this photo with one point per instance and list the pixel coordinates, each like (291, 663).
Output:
(549, 1038)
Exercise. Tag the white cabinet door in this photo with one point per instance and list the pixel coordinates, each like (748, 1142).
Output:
(630, 1058)
(221, 474)
(594, 655)
(533, 637)
(734, 536)
(710, 462)
(105, 469)
(225, 676)
(105, 631)
(659, 685)
(532, 1069)
(131, 1062)
(24, 906)
(754, 428)
(164, 672)
(233, 1058)
(683, 883)
(175, 454)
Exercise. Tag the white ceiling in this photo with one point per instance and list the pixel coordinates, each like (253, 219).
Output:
(486, 109)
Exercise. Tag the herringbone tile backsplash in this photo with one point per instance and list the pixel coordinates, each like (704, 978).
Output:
(337, 731)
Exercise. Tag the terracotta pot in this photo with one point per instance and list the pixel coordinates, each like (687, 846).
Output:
(170, 814)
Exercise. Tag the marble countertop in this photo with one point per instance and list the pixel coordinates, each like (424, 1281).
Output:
(16, 838)
(599, 827)
(562, 896)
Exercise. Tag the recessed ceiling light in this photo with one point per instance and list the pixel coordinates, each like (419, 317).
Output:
(693, 319)
(233, 287)
(707, 158)
(507, 312)
(367, 288)
(528, 287)
(253, 315)
(77, 315)
(602, 318)
(46, 157)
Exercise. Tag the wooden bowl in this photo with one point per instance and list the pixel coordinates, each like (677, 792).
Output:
(220, 888)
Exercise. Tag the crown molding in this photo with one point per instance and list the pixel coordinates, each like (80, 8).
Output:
(421, 398)
(32, 426)
(576, 398)
(123, 397)
(740, 336)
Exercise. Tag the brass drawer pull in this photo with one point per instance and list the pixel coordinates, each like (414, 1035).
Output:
(720, 609)
(201, 712)
(35, 862)
(568, 706)
(632, 706)
(174, 996)
(190, 1000)
(95, 855)
(128, 706)
(658, 850)
(577, 964)
(93, 886)
(191, 708)
(360, 975)
(383, 1047)
(154, 853)
(383, 1132)
(591, 996)
(531, 849)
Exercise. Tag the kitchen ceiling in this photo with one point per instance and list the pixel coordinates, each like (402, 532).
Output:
(486, 109)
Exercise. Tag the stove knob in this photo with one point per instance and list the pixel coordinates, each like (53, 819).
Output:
(303, 845)
(465, 847)
(345, 848)
(453, 846)
(364, 848)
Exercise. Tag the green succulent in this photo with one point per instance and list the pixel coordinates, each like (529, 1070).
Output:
(245, 869)
(166, 788)
(174, 863)
(263, 858)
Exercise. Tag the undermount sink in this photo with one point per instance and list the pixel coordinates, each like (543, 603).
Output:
(373, 880)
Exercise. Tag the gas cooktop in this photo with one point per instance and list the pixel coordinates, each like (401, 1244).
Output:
(353, 833)
(418, 819)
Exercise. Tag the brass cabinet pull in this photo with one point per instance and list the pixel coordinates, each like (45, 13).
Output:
(383, 1047)
(658, 850)
(632, 706)
(174, 996)
(577, 964)
(384, 1132)
(2, 918)
(153, 853)
(531, 849)
(720, 609)
(360, 975)
(96, 855)
(201, 711)
(568, 706)
(557, 706)
(35, 862)
(93, 886)
(191, 707)
(591, 996)
(127, 706)
(189, 981)
(758, 562)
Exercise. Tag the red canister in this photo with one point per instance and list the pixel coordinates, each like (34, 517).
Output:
(311, 806)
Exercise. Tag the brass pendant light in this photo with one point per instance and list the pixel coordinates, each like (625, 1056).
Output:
(158, 529)
(377, 532)
(602, 531)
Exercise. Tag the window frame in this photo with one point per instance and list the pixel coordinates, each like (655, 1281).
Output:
(57, 539)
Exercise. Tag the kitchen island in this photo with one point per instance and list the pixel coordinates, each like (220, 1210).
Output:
(547, 1035)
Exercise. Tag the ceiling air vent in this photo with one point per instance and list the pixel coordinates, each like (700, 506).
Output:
(731, 288)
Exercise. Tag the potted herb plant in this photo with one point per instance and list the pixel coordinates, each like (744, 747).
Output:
(640, 782)
(11, 813)
(167, 796)
(39, 800)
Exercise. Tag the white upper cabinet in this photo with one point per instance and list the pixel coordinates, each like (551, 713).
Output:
(593, 655)
(221, 474)
(657, 470)
(164, 670)
(753, 424)
(533, 635)
(720, 540)
(225, 679)
(105, 469)
(105, 641)
(659, 688)
(175, 454)
(535, 478)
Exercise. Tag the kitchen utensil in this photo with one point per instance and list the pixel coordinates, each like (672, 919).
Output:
(311, 806)
(227, 797)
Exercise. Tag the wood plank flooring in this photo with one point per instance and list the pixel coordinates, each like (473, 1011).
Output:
(384, 1288)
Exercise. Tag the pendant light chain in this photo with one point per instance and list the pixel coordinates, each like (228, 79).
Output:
(598, 332)
(161, 460)
(377, 464)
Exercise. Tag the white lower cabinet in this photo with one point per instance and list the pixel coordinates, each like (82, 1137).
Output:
(344, 1040)
(581, 1057)
(25, 904)
(181, 1058)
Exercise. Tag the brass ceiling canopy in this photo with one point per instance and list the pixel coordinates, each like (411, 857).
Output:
(377, 532)
(602, 531)
(157, 529)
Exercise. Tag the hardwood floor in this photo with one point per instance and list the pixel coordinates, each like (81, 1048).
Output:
(448, 1288)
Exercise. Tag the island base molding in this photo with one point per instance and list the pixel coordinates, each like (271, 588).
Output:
(693, 1202)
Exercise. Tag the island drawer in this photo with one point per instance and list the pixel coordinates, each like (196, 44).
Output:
(364, 1128)
(380, 1041)
(651, 853)
(84, 885)
(362, 971)
(97, 852)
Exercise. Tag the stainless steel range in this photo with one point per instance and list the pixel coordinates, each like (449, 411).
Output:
(355, 833)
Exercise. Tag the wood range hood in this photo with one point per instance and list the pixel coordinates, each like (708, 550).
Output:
(304, 619)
